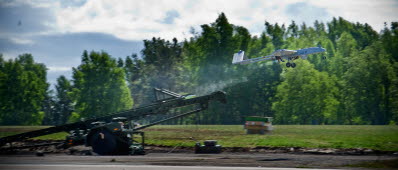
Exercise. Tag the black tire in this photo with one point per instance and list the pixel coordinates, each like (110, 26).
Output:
(287, 64)
(106, 145)
(249, 131)
(262, 132)
(293, 65)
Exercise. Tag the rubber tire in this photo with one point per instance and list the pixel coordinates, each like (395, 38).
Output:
(293, 65)
(287, 64)
(106, 146)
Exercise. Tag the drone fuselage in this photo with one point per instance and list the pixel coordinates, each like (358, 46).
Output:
(278, 55)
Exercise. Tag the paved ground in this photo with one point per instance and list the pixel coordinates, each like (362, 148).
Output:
(176, 160)
(130, 167)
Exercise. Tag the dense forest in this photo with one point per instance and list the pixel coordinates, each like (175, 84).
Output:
(355, 82)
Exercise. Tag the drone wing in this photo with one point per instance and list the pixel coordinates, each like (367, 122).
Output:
(283, 52)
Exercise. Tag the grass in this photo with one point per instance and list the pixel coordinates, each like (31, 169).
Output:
(383, 138)
(13, 130)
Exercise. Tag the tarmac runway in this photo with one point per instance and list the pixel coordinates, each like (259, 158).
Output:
(131, 167)
(238, 161)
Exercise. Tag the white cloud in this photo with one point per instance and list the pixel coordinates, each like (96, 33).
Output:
(144, 19)
(58, 69)
(21, 41)
(138, 19)
(375, 13)
(8, 56)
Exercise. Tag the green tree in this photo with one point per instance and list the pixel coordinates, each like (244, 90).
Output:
(137, 78)
(63, 103)
(164, 57)
(257, 45)
(216, 44)
(201, 64)
(99, 86)
(370, 87)
(320, 27)
(305, 96)
(277, 33)
(346, 49)
(254, 96)
(389, 39)
(159, 67)
(292, 30)
(23, 89)
(243, 37)
(49, 108)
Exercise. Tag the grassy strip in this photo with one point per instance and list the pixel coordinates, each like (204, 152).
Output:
(13, 130)
(310, 136)
(383, 138)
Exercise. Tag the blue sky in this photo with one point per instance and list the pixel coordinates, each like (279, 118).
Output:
(57, 32)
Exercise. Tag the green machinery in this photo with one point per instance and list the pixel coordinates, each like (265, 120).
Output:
(209, 146)
(258, 125)
(115, 134)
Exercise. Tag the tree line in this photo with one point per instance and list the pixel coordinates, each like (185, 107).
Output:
(355, 82)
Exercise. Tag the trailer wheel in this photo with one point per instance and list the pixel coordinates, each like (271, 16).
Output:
(103, 142)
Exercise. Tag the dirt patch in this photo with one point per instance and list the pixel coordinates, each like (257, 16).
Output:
(322, 151)
(42, 146)
(56, 146)
(184, 156)
(315, 151)
(206, 131)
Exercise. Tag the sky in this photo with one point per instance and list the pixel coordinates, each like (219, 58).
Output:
(56, 32)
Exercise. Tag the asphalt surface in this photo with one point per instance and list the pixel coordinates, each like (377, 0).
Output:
(131, 167)
(186, 161)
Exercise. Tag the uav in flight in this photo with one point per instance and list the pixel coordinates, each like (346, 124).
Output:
(279, 55)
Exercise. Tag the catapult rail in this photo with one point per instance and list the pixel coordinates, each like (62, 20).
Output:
(159, 107)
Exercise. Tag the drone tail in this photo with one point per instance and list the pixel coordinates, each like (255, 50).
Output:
(238, 57)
